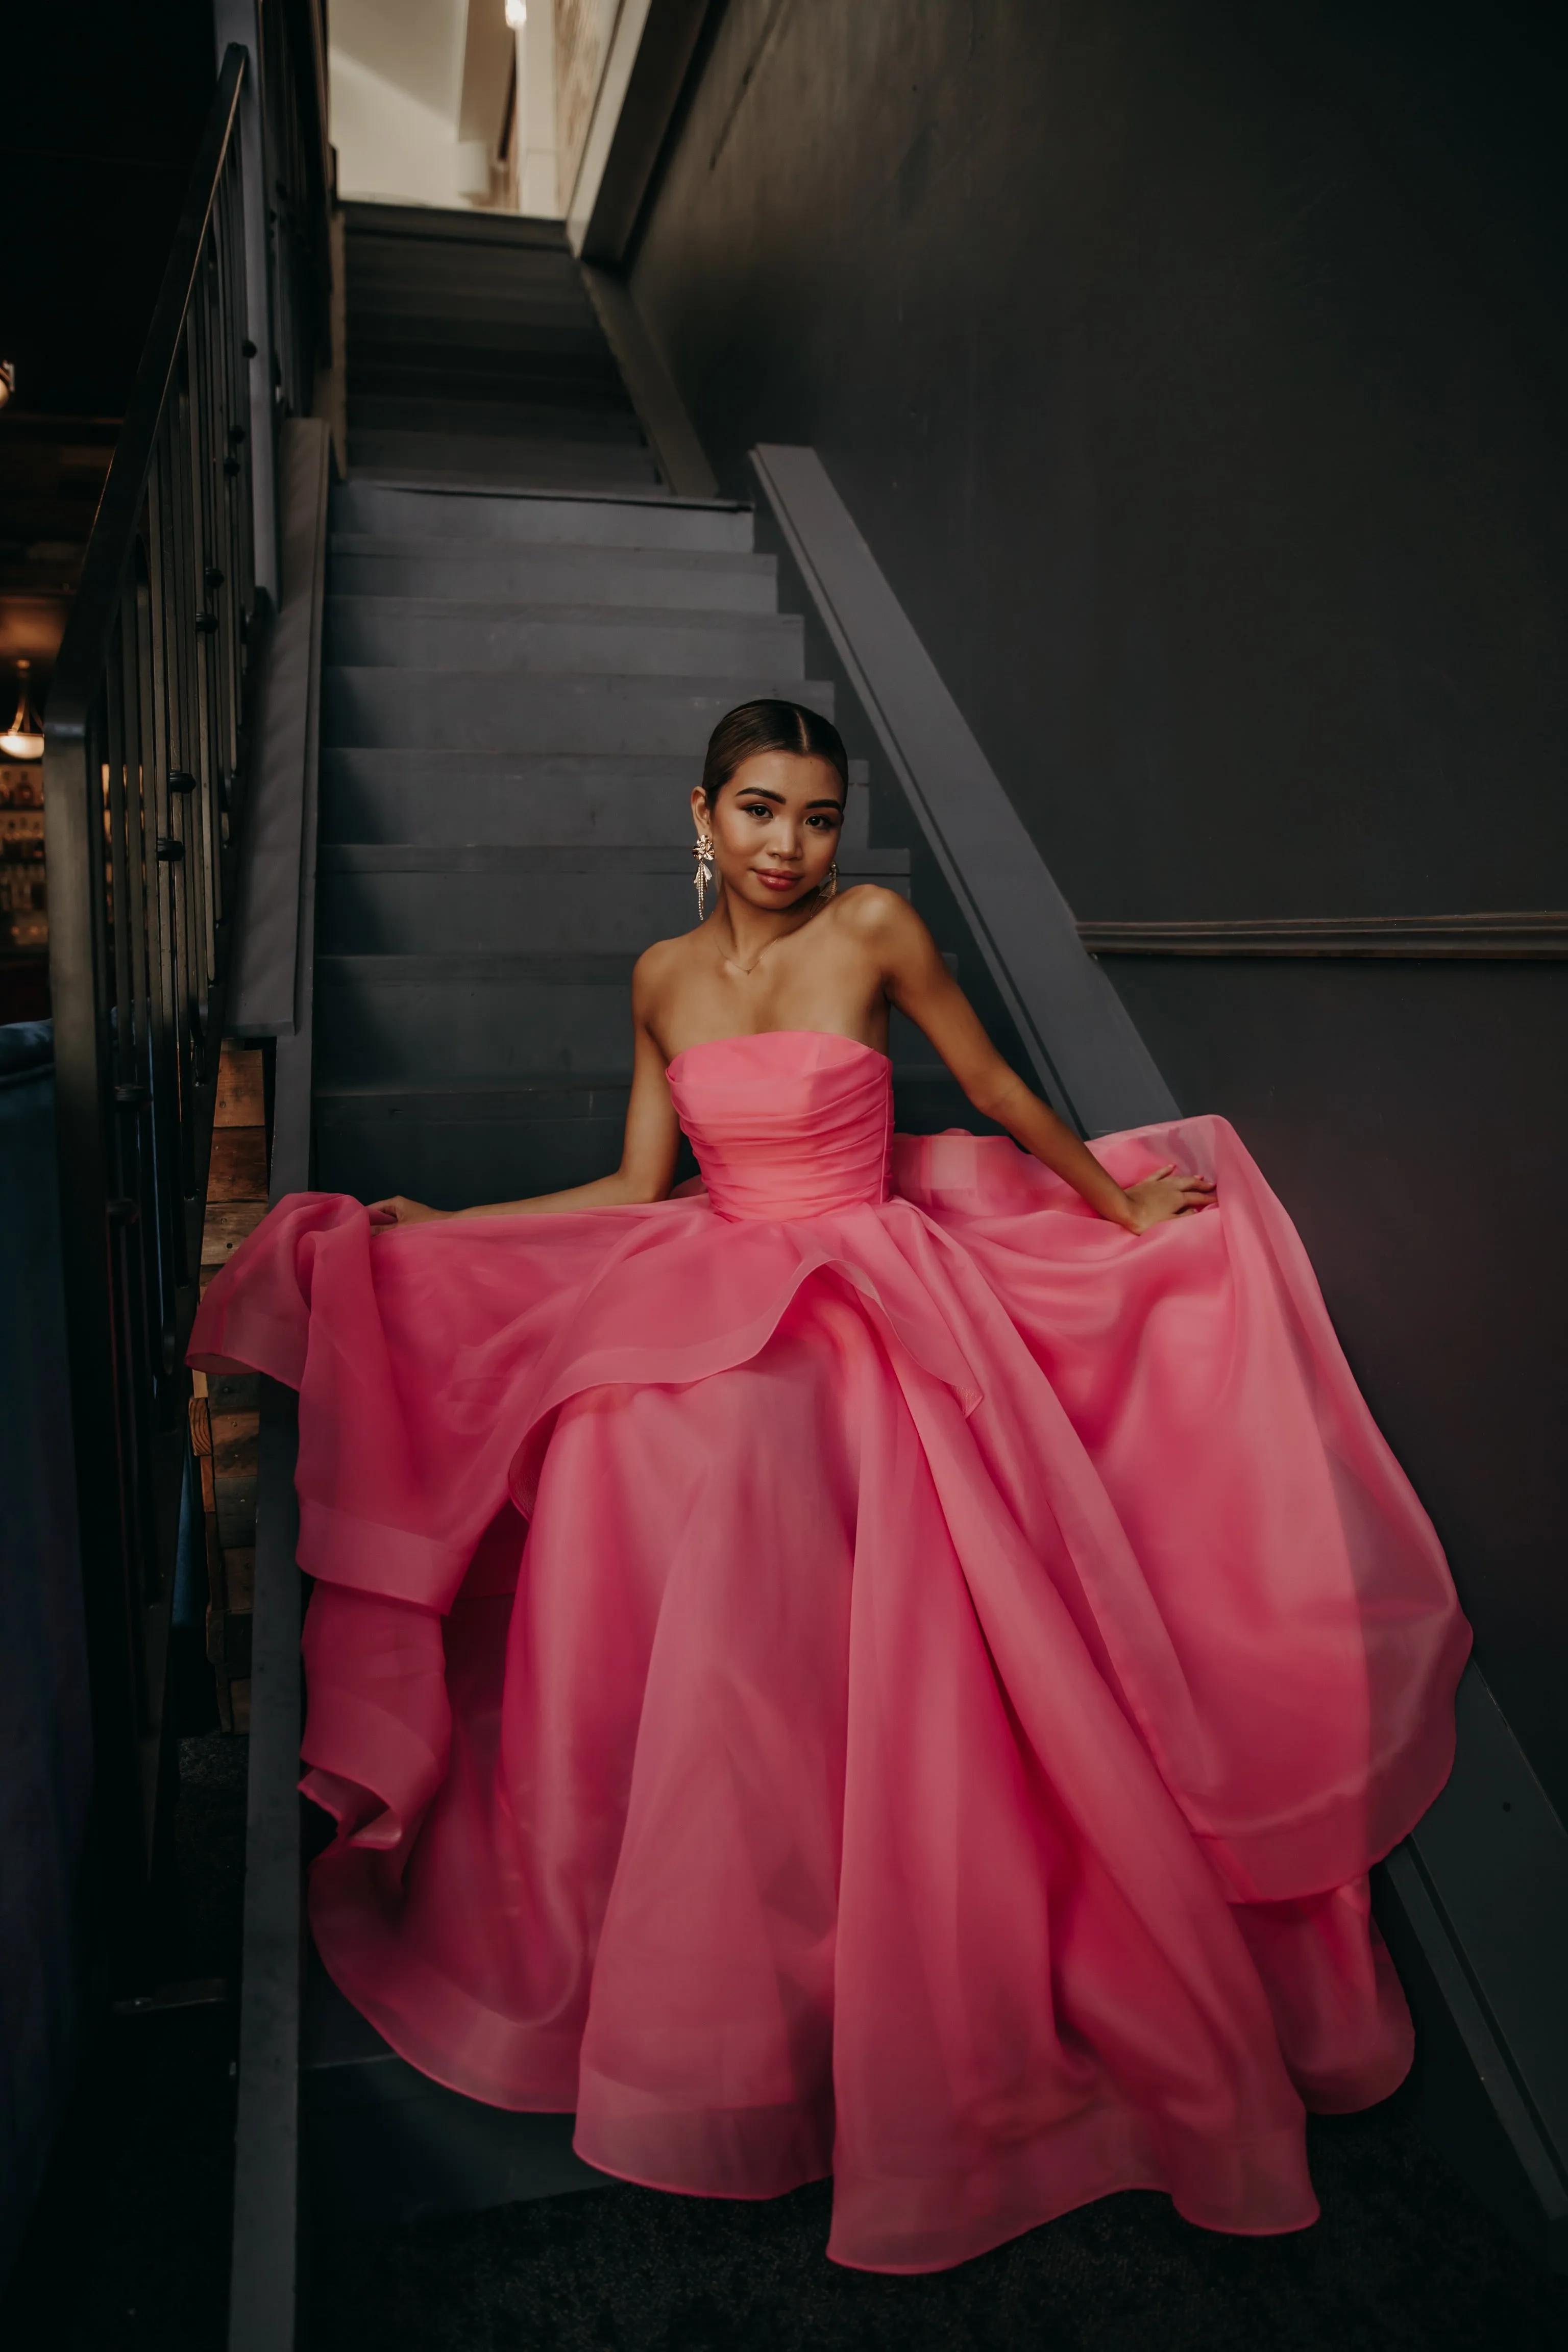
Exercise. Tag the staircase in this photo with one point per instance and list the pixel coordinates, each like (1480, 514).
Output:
(528, 639)
(518, 688)
(474, 355)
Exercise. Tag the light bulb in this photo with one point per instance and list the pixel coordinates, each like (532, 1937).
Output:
(25, 738)
(517, 14)
(8, 376)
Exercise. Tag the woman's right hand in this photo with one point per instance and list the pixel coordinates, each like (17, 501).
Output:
(1170, 1192)
(397, 1210)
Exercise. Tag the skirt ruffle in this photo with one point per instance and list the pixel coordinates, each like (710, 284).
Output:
(912, 1694)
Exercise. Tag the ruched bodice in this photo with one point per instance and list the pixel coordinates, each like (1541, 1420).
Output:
(793, 1123)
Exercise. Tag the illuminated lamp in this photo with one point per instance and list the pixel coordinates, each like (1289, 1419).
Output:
(25, 738)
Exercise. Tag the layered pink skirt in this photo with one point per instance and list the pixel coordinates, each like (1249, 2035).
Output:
(911, 1692)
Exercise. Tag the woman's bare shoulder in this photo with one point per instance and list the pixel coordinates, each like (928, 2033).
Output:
(875, 913)
(667, 955)
(660, 964)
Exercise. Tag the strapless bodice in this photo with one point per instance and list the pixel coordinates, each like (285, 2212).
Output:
(793, 1123)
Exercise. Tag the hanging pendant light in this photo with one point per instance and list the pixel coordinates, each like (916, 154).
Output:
(23, 740)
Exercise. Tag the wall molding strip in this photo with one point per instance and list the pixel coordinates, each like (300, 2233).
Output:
(1490, 938)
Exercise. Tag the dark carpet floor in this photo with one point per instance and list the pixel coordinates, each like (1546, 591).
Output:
(1403, 2257)
(129, 2251)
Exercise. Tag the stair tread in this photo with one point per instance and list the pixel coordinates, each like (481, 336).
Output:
(418, 462)
(453, 641)
(449, 417)
(492, 501)
(570, 800)
(599, 409)
(432, 549)
(400, 764)
(569, 969)
(606, 440)
(500, 339)
(587, 857)
(364, 217)
(560, 857)
(545, 709)
(409, 285)
(502, 495)
(397, 763)
(530, 460)
(500, 516)
(592, 581)
(550, 615)
(461, 633)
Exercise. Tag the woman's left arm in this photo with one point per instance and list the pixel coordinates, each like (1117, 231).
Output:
(918, 981)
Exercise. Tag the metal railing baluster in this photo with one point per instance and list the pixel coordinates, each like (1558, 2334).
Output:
(143, 763)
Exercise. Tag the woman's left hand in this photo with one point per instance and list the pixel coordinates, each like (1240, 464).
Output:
(1168, 1193)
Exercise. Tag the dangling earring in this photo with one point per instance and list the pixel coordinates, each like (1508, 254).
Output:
(702, 850)
(829, 882)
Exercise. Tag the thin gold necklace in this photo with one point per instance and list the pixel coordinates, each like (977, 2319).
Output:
(746, 970)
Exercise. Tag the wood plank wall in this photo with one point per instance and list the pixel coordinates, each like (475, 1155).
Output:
(226, 1409)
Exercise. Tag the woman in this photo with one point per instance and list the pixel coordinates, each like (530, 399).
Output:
(895, 1664)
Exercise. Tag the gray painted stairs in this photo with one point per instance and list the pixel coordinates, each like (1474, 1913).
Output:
(504, 820)
(474, 354)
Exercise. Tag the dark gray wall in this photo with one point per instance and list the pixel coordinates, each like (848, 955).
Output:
(1197, 374)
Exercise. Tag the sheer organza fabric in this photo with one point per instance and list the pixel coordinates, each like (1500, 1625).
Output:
(870, 1669)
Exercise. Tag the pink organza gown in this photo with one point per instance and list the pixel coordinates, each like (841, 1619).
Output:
(872, 1670)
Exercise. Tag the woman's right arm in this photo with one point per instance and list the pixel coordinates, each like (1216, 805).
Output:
(647, 1153)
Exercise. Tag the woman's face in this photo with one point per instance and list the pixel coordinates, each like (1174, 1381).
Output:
(775, 827)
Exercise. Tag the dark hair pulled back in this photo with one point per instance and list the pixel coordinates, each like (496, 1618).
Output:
(766, 726)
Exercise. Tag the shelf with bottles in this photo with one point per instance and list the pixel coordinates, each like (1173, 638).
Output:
(24, 918)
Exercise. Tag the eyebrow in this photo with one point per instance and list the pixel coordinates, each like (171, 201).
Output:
(760, 792)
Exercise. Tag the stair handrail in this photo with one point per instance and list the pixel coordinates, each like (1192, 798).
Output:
(142, 791)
